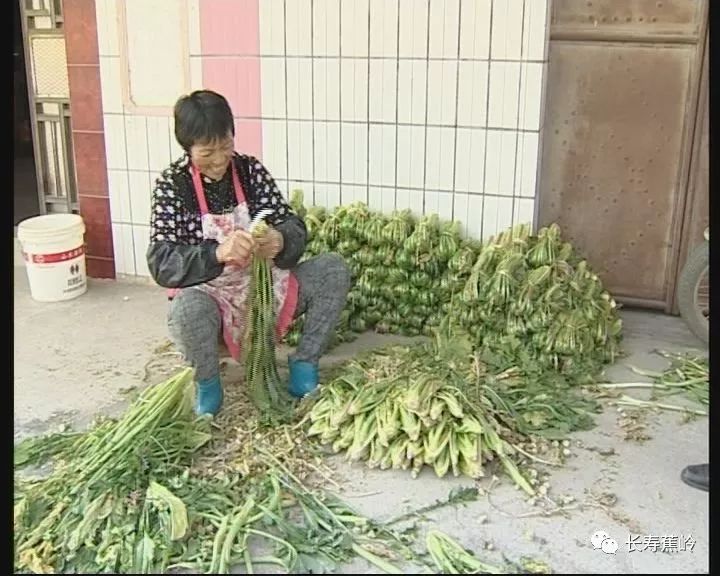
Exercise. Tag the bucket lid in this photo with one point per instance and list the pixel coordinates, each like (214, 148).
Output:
(49, 225)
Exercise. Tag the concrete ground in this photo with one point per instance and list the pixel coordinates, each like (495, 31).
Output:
(74, 359)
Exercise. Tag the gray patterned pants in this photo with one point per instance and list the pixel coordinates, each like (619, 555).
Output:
(323, 283)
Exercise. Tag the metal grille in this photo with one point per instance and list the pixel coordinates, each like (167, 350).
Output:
(45, 54)
(49, 67)
(54, 156)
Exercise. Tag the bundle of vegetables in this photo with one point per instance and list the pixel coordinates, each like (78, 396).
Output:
(532, 299)
(527, 300)
(404, 271)
(77, 516)
(122, 499)
(264, 384)
(405, 407)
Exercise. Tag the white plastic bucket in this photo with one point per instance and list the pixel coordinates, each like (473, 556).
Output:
(54, 253)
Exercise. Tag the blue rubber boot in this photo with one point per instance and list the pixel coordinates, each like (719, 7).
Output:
(209, 396)
(303, 378)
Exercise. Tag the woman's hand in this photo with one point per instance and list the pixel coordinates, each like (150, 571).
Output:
(270, 244)
(236, 249)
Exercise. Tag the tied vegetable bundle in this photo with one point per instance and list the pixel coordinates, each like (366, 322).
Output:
(406, 407)
(404, 270)
(532, 300)
(528, 300)
(264, 384)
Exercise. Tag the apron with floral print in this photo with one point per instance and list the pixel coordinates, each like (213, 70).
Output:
(230, 289)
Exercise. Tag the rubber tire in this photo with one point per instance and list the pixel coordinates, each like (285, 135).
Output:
(696, 264)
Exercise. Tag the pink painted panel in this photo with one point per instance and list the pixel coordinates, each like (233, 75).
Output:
(238, 79)
(248, 137)
(230, 27)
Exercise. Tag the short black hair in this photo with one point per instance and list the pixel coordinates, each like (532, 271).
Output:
(202, 116)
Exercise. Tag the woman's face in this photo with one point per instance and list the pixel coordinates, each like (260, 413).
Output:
(213, 158)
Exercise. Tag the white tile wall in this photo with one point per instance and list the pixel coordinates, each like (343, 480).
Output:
(383, 27)
(299, 88)
(354, 97)
(119, 192)
(470, 157)
(115, 148)
(439, 156)
(474, 215)
(460, 211)
(413, 29)
(383, 90)
(365, 78)
(354, 27)
(410, 156)
(141, 241)
(440, 203)
(275, 147)
(410, 199)
(500, 162)
(175, 150)
(530, 87)
(300, 150)
(382, 155)
(106, 16)
(194, 42)
(327, 195)
(472, 93)
(124, 249)
(444, 20)
(504, 88)
(327, 151)
(350, 193)
(326, 28)
(150, 25)
(411, 91)
(354, 143)
(442, 94)
(136, 142)
(196, 77)
(507, 28)
(475, 29)
(326, 88)
(526, 164)
(272, 27)
(298, 27)
(159, 153)
(497, 215)
(110, 83)
(140, 187)
(524, 211)
(272, 90)
(381, 199)
(535, 33)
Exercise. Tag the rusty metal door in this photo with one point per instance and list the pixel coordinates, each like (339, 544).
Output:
(623, 86)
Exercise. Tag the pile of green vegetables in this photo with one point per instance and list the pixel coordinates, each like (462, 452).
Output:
(405, 407)
(527, 300)
(531, 299)
(121, 498)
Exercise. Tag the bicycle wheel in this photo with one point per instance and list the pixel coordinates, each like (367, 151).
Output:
(694, 292)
